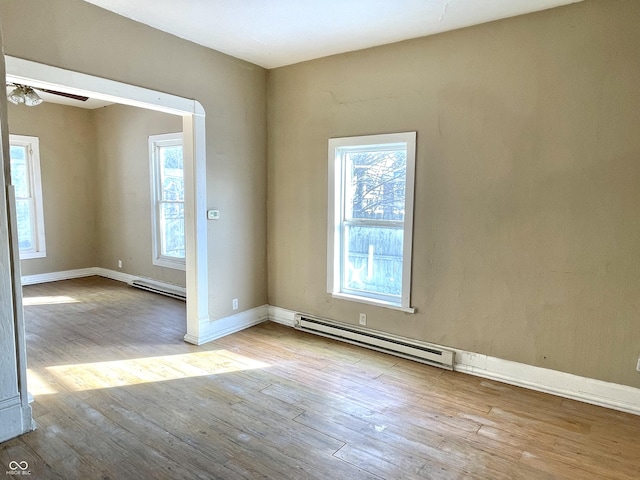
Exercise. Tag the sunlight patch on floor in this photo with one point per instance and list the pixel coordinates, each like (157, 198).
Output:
(58, 299)
(119, 373)
(38, 385)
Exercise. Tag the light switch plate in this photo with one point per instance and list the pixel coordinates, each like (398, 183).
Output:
(213, 214)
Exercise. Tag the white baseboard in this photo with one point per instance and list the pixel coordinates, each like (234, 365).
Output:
(212, 329)
(192, 339)
(95, 271)
(113, 275)
(583, 389)
(567, 385)
(282, 316)
(57, 276)
(15, 418)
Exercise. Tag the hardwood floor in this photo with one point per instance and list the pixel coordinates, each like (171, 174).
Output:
(119, 395)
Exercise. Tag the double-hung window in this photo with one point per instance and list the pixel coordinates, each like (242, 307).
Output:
(370, 230)
(25, 177)
(167, 192)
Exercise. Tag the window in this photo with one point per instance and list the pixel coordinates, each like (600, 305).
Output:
(167, 191)
(25, 177)
(371, 218)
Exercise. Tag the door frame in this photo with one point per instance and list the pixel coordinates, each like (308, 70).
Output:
(193, 120)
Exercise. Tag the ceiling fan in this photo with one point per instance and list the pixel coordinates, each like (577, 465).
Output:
(27, 95)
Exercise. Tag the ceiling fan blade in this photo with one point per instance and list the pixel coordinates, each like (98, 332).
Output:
(66, 95)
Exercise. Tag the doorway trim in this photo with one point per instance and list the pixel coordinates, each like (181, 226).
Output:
(36, 74)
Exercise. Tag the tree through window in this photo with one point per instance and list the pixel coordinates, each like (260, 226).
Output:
(371, 189)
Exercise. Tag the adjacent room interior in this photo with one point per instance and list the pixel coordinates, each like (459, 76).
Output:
(95, 177)
(410, 259)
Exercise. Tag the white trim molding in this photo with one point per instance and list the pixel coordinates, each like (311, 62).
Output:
(566, 385)
(282, 316)
(15, 418)
(340, 219)
(31, 193)
(114, 275)
(57, 276)
(96, 271)
(20, 70)
(214, 329)
(156, 167)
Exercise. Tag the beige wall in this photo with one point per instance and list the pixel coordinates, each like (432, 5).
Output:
(68, 168)
(78, 36)
(124, 189)
(527, 216)
(526, 226)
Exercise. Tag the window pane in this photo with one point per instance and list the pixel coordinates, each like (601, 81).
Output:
(25, 178)
(25, 234)
(19, 172)
(172, 229)
(376, 185)
(172, 173)
(373, 259)
(18, 152)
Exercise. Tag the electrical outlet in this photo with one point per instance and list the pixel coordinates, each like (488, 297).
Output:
(234, 303)
(119, 263)
(363, 319)
(638, 365)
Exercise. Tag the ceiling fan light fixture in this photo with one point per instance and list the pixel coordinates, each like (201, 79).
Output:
(16, 96)
(31, 98)
(24, 94)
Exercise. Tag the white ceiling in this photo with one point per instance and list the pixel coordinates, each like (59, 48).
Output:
(274, 33)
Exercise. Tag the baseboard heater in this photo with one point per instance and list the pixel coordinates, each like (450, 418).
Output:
(382, 342)
(161, 288)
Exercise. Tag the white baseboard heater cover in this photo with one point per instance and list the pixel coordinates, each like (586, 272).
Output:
(161, 288)
(382, 342)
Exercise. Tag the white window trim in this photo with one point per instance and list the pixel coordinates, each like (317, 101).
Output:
(156, 141)
(35, 187)
(335, 201)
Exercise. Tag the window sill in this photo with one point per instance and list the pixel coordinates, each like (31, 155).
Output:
(371, 301)
(161, 262)
(30, 255)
